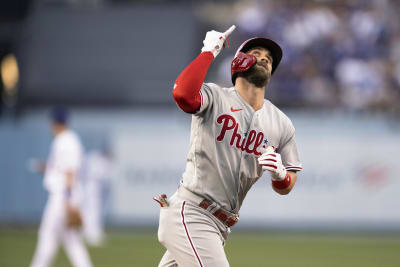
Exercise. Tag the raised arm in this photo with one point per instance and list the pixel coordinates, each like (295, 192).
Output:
(187, 86)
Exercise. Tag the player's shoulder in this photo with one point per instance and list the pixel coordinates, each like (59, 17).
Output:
(215, 88)
(271, 108)
(68, 138)
(70, 135)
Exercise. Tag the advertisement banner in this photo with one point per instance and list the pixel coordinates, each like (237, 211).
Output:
(348, 179)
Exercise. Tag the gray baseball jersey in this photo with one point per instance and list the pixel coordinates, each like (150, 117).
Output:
(227, 136)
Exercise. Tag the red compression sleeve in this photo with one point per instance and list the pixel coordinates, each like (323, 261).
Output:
(187, 87)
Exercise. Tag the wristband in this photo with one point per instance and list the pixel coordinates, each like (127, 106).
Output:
(282, 184)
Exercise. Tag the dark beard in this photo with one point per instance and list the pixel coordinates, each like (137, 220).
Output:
(255, 76)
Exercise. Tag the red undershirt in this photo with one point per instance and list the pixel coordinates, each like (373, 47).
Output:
(187, 87)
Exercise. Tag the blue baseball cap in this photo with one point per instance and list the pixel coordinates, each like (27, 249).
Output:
(59, 114)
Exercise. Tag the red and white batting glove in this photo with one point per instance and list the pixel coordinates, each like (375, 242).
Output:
(272, 162)
(215, 41)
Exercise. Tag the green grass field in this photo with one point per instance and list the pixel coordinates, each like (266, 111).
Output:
(140, 248)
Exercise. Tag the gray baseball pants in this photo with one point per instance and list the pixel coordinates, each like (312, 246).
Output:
(191, 235)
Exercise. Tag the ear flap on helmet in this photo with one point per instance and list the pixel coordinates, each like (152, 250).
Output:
(241, 63)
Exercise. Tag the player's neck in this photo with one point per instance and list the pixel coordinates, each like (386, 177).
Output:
(253, 95)
(57, 130)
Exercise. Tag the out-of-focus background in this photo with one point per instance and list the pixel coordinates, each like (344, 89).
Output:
(114, 62)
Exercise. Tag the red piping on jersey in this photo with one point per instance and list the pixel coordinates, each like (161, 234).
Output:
(187, 234)
(187, 87)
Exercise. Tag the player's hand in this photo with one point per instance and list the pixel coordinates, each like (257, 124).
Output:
(215, 41)
(36, 165)
(272, 162)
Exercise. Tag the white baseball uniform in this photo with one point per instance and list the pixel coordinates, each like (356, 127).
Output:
(96, 175)
(227, 136)
(65, 156)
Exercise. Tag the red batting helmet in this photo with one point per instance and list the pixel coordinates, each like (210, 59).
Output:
(242, 61)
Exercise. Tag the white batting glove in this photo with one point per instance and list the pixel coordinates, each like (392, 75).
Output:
(215, 41)
(272, 162)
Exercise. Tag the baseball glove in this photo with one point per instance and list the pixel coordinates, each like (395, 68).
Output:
(74, 218)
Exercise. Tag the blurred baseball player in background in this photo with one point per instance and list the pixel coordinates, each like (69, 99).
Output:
(96, 175)
(61, 218)
(236, 134)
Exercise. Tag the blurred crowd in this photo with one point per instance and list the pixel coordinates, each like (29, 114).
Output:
(337, 54)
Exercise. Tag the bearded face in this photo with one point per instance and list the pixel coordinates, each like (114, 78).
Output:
(260, 73)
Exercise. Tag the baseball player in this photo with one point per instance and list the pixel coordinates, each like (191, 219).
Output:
(98, 170)
(61, 218)
(236, 134)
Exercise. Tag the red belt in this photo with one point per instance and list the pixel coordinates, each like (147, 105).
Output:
(226, 218)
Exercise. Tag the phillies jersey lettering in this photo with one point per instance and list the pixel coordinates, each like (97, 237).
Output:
(253, 138)
(227, 136)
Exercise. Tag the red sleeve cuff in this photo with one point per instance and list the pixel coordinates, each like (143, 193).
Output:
(282, 184)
